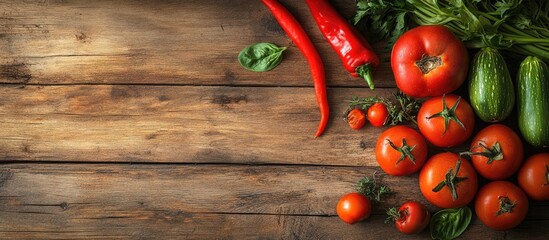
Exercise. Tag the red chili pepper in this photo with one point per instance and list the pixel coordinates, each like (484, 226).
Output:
(295, 31)
(353, 49)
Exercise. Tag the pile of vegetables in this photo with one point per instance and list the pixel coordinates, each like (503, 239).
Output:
(429, 65)
(429, 41)
(519, 26)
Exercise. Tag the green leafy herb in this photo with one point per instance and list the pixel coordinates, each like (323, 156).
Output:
(370, 189)
(403, 109)
(450, 223)
(261, 57)
(519, 26)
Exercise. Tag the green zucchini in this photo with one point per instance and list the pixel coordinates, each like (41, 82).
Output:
(491, 90)
(533, 101)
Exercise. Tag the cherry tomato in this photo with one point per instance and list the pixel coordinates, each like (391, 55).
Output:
(356, 119)
(401, 150)
(533, 177)
(411, 218)
(501, 205)
(497, 152)
(353, 207)
(446, 121)
(378, 114)
(429, 61)
(448, 181)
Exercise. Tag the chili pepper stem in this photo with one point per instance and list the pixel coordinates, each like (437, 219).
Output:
(365, 71)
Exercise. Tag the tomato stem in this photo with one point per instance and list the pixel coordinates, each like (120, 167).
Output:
(448, 114)
(405, 151)
(451, 180)
(493, 154)
(428, 63)
(505, 205)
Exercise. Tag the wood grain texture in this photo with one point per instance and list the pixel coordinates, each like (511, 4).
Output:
(133, 120)
(158, 42)
(120, 123)
(201, 201)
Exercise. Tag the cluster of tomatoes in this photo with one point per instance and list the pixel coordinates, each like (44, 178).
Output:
(448, 179)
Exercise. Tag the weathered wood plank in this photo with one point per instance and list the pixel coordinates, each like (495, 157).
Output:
(180, 124)
(202, 201)
(170, 225)
(160, 42)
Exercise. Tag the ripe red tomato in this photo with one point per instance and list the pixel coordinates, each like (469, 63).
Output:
(497, 152)
(353, 207)
(401, 150)
(378, 114)
(448, 181)
(412, 217)
(533, 177)
(429, 61)
(501, 205)
(356, 119)
(446, 121)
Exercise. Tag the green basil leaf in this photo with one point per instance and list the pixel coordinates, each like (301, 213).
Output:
(450, 223)
(261, 57)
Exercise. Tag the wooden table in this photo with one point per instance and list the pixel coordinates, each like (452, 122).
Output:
(133, 119)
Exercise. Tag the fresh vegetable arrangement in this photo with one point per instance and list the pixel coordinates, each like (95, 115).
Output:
(429, 63)
(449, 180)
(519, 26)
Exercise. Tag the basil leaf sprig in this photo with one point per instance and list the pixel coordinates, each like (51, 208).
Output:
(261, 57)
(450, 223)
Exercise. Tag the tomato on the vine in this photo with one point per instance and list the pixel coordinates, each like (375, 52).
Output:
(448, 181)
(353, 207)
(356, 119)
(446, 121)
(378, 114)
(501, 205)
(411, 218)
(401, 150)
(496, 152)
(533, 177)
(429, 61)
